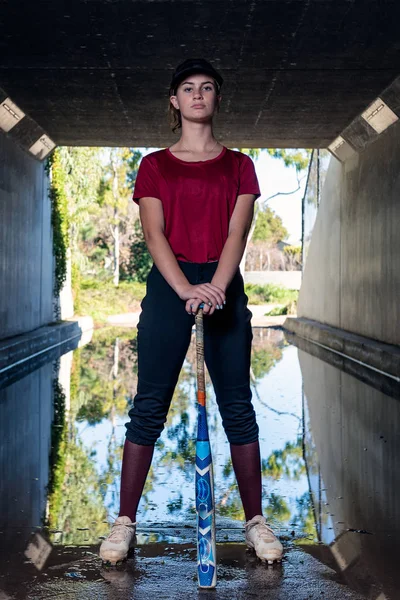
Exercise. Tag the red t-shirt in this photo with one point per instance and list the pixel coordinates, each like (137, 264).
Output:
(198, 198)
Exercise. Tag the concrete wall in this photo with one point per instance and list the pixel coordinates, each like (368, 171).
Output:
(26, 414)
(26, 256)
(352, 439)
(352, 274)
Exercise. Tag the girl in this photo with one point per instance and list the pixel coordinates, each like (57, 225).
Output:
(196, 203)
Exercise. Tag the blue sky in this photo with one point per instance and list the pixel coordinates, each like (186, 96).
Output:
(274, 177)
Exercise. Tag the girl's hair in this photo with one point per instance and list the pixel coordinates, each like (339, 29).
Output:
(175, 119)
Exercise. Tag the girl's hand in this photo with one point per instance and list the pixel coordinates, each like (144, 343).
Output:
(192, 306)
(210, 294)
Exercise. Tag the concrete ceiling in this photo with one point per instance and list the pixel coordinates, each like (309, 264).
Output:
(297, 72)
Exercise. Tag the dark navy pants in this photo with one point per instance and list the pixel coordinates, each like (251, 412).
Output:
(164, 334)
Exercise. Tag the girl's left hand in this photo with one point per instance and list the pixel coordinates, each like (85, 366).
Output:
(193, 304)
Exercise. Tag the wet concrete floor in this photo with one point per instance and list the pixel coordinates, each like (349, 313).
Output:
(329, 443)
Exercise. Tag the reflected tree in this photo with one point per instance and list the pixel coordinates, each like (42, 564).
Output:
(305, 518)
(264, 359)
(287, 463)
(277, 509)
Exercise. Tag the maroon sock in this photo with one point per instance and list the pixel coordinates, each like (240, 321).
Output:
(136, 463)
(247, 466)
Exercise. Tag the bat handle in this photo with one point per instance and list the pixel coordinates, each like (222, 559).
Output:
(200, 353)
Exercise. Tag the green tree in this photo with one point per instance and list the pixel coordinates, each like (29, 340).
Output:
(277, 509)
(293, 256)
(254, 153)
(305, 519)
(140, 260)
(269, 227)
(288, 462)
(114, 197)
(294, 157)
(82, 168)
(299, 158)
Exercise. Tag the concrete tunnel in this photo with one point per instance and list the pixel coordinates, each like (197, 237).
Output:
(298, 73)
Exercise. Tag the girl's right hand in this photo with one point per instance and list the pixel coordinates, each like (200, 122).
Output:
(210, 294)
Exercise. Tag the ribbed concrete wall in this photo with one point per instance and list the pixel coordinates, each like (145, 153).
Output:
(26, 414)
(352, 274)
(354, 429)
(26, 256)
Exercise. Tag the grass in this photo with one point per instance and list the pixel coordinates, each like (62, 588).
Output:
(100, 299)
(269, 294)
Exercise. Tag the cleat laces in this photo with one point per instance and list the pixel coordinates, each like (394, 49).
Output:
(119, 532)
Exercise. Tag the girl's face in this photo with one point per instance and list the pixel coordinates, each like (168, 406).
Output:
(196, 98)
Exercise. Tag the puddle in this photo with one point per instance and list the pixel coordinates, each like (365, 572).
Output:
(85, 482)
(328, 447)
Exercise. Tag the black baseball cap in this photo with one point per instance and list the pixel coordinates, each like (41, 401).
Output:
(190, 67)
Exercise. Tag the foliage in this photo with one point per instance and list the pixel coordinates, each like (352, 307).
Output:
(269, 227)
(285, 463)
(77, 502)
(82, 168)
(114, 209)
(60, 219)
(100, 391)
(298, 158)
(269, 293)
(76, 287)
(58, 441)
(292, 251)
(133, 161)
(277, 509)
(305, 519)
(254, 153)
(140, 260)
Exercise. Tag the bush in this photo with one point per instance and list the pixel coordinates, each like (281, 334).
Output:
(268, 293)
(287, 309)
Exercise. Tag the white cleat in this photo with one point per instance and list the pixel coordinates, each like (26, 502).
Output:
(262, 539)
(116, 546)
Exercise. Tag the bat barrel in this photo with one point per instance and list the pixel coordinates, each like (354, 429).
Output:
(205, 506)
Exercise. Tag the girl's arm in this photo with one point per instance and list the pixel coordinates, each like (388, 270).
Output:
(152, 219)
(239, 227)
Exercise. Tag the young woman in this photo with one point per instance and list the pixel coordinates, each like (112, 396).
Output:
(196, 202)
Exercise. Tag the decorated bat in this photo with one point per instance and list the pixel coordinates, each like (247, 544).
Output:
(205, 507)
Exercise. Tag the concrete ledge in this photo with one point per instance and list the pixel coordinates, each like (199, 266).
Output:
(384, 357)
(372, 378)
(20, 348)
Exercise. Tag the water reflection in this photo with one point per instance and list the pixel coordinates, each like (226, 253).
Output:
(352, 446)
(85, 485)
(329, 445)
